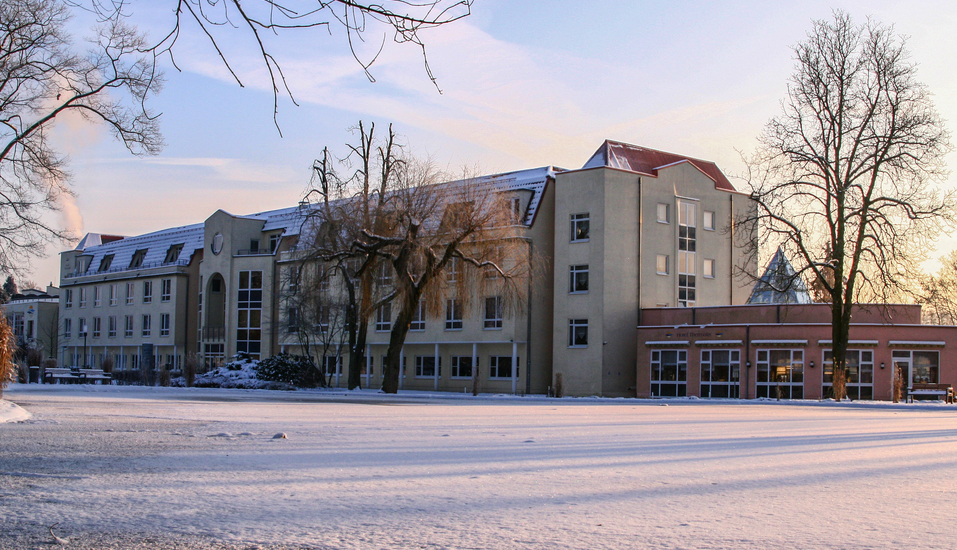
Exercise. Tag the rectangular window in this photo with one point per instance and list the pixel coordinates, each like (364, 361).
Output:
(661, 264)
(493, 312)
(453, 314)
(138, 257)
(67, 328)
(147, 322)
(418, 317)
(384, 274)
(249, 305)
(452, 270)
(322, 318)
(111, 326)
(292, 320)
(860, 373)
(82, 297)
(707, 269)
(500, 367)
(97, 296)
(129, 294)
(172, 253)
(113, 294)
(461, 366)
(780, 373)
(578, 333)
(669, 373)
(128, 326)
(324, 276)
(383, 318)
(578, 278)
(720, 373)
(68, 298)
(687, 256)
(164, 324)
(707, 220)
(580, 227)
(425, 366)
(333, 365)
(273, 243)
(147, 292)
(166, 290)
(105, 262)
(663, 213)
(81, 326)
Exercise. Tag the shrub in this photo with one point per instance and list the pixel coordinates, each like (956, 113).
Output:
(190, 367)
(164, 377)
(8, 348)
(291, 369)
(559, 385)
(107, 364)
(34, 357)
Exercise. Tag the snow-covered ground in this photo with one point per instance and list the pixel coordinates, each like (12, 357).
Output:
(130, 467)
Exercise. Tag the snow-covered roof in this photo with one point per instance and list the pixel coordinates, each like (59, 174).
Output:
(623, 156)
(157, 244)
(780, 284)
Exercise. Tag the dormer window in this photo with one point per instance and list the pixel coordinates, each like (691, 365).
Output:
(273, 243)
(173, 253)
(254, 245)
(105, 263)
(138, 258)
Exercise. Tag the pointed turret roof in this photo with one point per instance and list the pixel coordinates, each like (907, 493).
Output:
(780, 284)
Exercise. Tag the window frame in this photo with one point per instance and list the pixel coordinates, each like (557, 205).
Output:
(579, 221)
(453, 314)
(663, 213)
(577, 277)
(494, 317)
(577, 331)
(147, 292)
(658, 261)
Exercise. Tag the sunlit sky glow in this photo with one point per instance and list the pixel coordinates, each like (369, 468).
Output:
(525, 84)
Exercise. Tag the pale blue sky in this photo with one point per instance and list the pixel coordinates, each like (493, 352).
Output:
(526, 83)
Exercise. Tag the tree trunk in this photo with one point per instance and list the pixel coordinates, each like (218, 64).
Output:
(393, 358)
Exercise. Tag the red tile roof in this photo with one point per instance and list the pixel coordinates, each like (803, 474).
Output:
(614, 154)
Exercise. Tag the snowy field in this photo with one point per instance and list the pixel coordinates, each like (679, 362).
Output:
(129, 467)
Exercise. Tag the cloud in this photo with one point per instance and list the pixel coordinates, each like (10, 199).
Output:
(71, 218)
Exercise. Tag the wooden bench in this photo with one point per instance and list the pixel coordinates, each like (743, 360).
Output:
(75, 375)
(945, 391)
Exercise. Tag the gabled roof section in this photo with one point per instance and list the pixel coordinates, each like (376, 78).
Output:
(614, 154)
(780, 284)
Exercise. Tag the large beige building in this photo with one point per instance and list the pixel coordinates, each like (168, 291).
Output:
(633, 228)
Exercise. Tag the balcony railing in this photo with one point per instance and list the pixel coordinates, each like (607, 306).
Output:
(254, 252)
(151, 265)
(214, 334)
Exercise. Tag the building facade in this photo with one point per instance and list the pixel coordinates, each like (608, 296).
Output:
(34, 317)
(634, 228)
(784, 351)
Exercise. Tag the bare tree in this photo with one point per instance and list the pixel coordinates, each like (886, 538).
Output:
(939, 293)
(845, 177)
(391, 231)
(266, 21)
(432, 228)
(347, 191)
(41, 80)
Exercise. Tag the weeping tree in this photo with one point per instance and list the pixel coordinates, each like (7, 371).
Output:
(458, 241)
(847, 178)
(341, 204)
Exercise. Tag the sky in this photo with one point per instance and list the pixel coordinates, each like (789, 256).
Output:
(524, 84)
